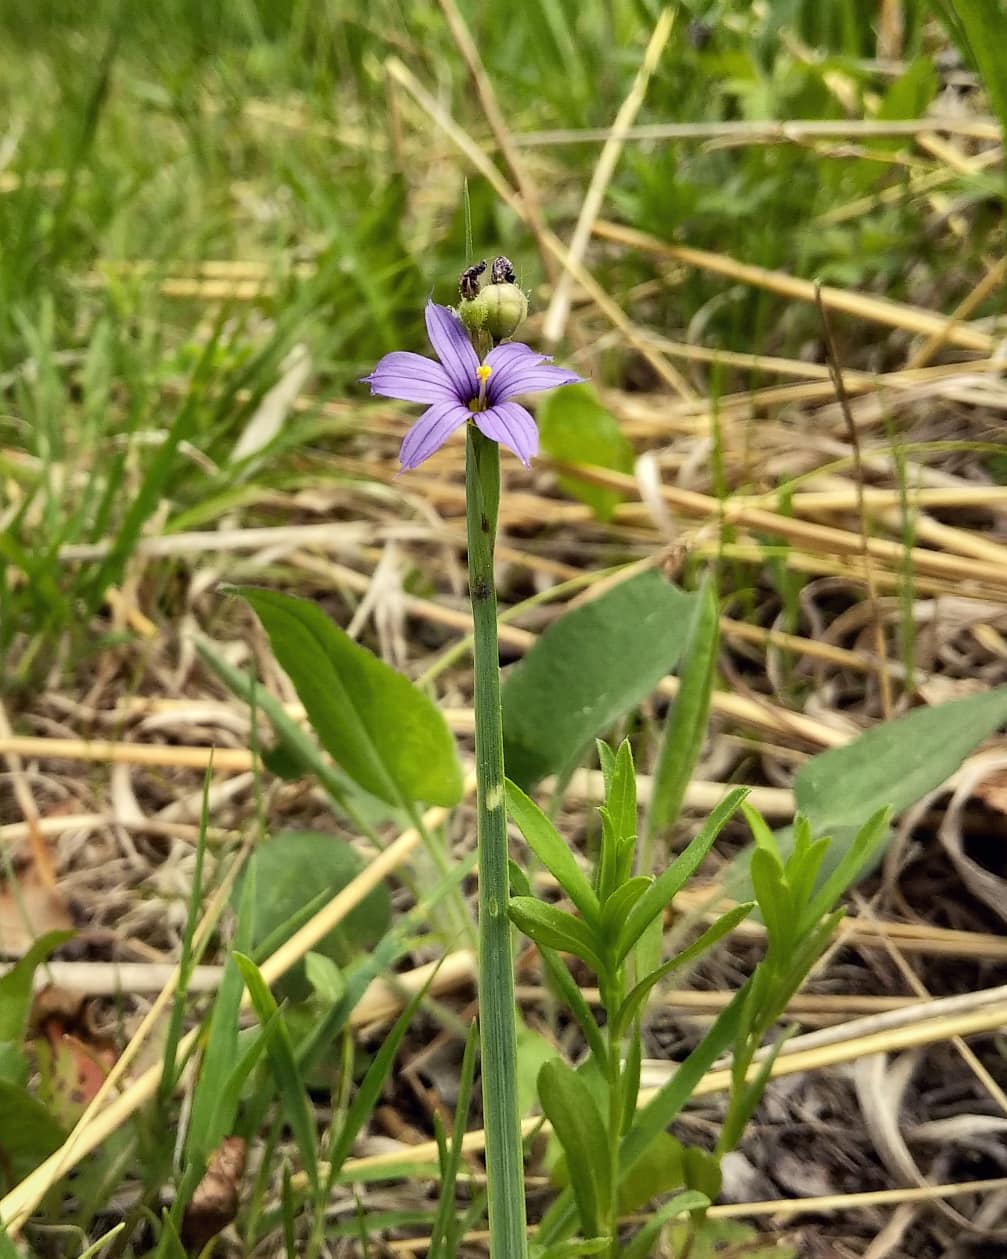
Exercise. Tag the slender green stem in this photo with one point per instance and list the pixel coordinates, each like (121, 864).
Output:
(615, 1109)
(497, 1011)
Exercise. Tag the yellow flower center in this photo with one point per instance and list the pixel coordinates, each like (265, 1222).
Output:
(483, 372)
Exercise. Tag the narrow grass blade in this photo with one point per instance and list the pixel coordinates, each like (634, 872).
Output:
(289, 1084)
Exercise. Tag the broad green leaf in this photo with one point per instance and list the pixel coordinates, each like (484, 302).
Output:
(294, 865)
(554, 928)
(593, 665)
(574, 427)
(664, 888)
(28, 1134)
(896, 763)
(13, 1064)
(659, 1171)
(384, 732)
(571, 1109)
(296, 752)
(685, 726)
(325, 977)
(552, 850)
(16, 985)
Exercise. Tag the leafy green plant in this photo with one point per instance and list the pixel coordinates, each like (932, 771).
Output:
(615, 1154)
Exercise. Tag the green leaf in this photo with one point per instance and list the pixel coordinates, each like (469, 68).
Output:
(588, 669)
(296, 752)
(774, 902)
(367, 1094)
(13, 1064)
(727, 922)
(571, 1109)
(325, 977)
(858, 857)
(665, 1105)
(552, 850)
(979, 28)
(618, 816)
(28, 1134)
(659, 1171)
(444, 1231)
(16, 985)
(289, 1086)
(572, 1248)
(556, 929)
(896, 763)
(213, 1109)
(169, 1246)
(290, 867)
(620, 793)
(664, 889)
(533, 1052)
(606, 759)
(575, 427)
(616, 909)
(685, 726)
(642, 1244)
(384, 732)
(570, 994)
(912, 92)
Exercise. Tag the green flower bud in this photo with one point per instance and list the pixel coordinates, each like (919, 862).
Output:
(506, 309)
(473, 314)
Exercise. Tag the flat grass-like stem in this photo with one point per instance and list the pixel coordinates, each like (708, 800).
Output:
(497, 1009)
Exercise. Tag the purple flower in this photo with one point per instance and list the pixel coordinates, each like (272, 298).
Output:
(460, 388)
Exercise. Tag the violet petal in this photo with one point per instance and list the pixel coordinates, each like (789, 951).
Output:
(512, 426)
(519, 369)
(412, 378)
(454, 349)
(431, 431)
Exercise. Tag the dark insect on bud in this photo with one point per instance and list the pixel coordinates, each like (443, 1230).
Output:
(468, 281)
(502, 272)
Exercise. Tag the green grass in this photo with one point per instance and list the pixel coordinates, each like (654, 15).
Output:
(176, 134)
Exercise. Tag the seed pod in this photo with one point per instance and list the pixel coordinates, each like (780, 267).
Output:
(506, 308)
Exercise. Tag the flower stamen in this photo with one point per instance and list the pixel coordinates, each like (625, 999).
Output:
(483, 371)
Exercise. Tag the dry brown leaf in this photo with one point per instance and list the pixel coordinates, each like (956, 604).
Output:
(29, 907)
